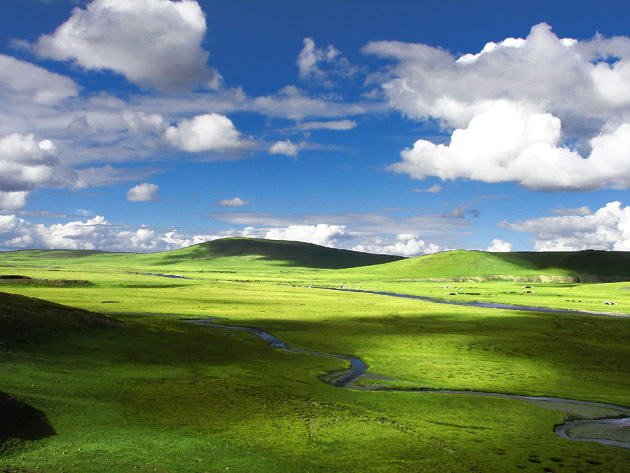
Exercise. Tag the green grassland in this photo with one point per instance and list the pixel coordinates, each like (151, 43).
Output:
(142, 390)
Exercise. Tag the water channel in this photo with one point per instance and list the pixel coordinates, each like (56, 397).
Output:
(609, 425)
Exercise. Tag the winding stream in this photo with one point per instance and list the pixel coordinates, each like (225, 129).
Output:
(609, 425)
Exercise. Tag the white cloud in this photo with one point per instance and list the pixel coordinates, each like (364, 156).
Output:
(144, 192)
(13, 200)
(209, 132)
(320, 234)
(140, 122)
(284, 147)
(404, 245)
(235, 202)
(25, 164)
(323, 65)
(365, 228)
(577, 211)
(92, 234)
(511, 143)
(434, 189)
(21, 80)
(291, 102)
(151, 42)
(545, 112)
(98, 234)
(606, 229)
(490, 47)
(499, 246)
(109, 175)
(330, 125)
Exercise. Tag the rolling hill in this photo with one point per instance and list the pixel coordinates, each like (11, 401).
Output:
(236, 255)
(230, 253)
(577, 266)
(30, 320)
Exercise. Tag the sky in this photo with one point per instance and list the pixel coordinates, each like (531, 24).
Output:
(399, 127)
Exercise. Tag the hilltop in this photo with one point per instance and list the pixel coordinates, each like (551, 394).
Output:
(289, 253)
(577, 266)
(232, 253)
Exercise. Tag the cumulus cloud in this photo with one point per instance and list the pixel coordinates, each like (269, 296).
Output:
(547, 113)
(25, 81)
(144, 192)
(235, 202)
(25, 164)
(13, 200)
(140, 122)
(153, 43)
(607, 229)
(323, 65)
(320, 234)
(285, 147)
(509, 143)
(499, 246)
(209, 132)
(91, 234)
(404, 245)
(363, 227)
(99, 234)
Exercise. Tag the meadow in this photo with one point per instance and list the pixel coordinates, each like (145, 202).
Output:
(144, 390)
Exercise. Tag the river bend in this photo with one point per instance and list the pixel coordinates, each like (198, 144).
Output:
(610, 427)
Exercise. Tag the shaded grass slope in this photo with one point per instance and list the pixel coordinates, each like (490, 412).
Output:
(288, 253)
(576, 266)
(30, 320)
(20, 421)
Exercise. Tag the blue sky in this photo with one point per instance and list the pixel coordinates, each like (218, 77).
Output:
(394, 127)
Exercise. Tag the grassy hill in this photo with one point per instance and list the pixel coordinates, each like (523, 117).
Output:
(227, 253)
(288, 253)
(29, 320)
(249, 255)
(584, 266)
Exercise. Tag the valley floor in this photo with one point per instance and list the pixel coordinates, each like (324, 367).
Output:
(155, 393)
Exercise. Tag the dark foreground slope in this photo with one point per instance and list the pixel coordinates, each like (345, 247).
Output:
(25, 320)
(577, 266)
(26, 323)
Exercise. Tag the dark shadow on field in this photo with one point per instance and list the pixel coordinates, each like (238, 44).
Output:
(586, 266)
(283, 253)
(19, 420)
(27, 320)
(575, 343)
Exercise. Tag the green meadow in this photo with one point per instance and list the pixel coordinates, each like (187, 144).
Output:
(101, 374)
